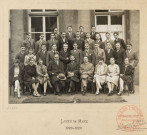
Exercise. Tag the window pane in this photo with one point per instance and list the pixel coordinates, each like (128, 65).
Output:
(35, 36)
(102, 20)
(101, 10)
(36, 10)
(48, 10)
(51, 23)
(36, 24)
(48, 36)
(116, 20)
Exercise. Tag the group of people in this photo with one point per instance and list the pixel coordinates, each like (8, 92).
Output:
(68, 59)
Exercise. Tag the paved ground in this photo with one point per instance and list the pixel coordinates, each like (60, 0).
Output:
(78, 98)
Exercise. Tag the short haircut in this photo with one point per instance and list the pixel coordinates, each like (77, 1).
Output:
(80, 27)
(16, 61)
(52, 33)
(55, 28)
(43, 44)
(115, 33)
(101, 58)
(87, 44)
(87, 33)
(22, 45)
(65, 44)
(93, 26)
(69, 26)
(117, 43)
(129, 44)
(77, 31)
(85, 57)
(40, 59)
(63, 32)
(54, 44)
(108, 42)
(112, 58)
(75, 43)
(28, 33)
(56, 54)
(107, 33)
(41, 34)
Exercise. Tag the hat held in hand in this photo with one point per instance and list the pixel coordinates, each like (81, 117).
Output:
(61, 76)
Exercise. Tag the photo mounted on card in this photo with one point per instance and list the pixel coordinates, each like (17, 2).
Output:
(74, 56)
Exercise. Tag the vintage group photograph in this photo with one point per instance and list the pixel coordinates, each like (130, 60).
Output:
(73, 56)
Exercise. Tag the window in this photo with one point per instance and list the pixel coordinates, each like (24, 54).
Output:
(42, 21)
(102, 20)
(116, 20)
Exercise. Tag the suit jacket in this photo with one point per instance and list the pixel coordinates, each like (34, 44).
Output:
(91, 43)
(80, 43)
(99, 53)
(70, 40)
(83, 35)
(101, 44)
(119, 57)
(63, 55)
(128, 71)
(49, 44)
(54, 70)
(57, 36)
(38, 45)
(50, 56)
(61, 42)
(42, 56)
(111, 42)
(122, 43)
(109, 55)
(73, 67)
(29, 44)
(90, 55)
(21, 57)
(78, 55)
(89, 68)
(93, 36)
(133, 58)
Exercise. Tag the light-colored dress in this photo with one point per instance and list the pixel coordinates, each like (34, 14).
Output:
(42, 70)
(100, 72)
(27, 59)
(114, 71)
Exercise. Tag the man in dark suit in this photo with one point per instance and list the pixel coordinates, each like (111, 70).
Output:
(98, 39)
(119, 55)
(63, 40)
(121, 41)
(79, 41)
(42, 54)
(89, 54)
(93, 32)
(51, 54)
(57, 36)
(51, 42)
(21, 55)
(89, 41)
(56, 71)
(108, 39)
(39, 43)
(70, 36)
(64, 56)
(29, 42)
(82, 33)
(109, 52)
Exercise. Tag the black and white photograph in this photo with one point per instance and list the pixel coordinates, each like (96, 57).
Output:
(73, 56)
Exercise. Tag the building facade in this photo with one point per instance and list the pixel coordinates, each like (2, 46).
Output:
(126, 22)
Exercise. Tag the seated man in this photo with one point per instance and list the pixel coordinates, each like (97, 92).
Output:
(72, 73)
(100, 74)
(50, 54)
(42, 75)
(86, 71)
(56, 71)
(112, 75)
(64, 56)
(125, 76)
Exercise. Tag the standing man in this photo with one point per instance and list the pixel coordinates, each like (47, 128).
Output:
(93, 32)
(21, 55)
(86, 71)
(121, 41)
(57, 36)
(89, 41)
(108, 39)
(98, 39)
(70, 36)
(42, 54)
(82, 33)
(119, 55)
(51, 54)
(79, 41)
(29, 42)
(132, 55)
(89, 54)
(56, 71)
(64, 56)
(109, 52)
(39, 43)
(63, 40)
(51, 42)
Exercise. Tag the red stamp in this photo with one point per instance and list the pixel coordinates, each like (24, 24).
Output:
(130, 118)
